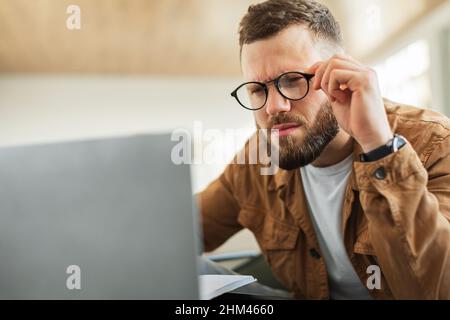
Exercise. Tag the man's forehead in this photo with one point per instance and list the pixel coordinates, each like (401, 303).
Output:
(293, 49)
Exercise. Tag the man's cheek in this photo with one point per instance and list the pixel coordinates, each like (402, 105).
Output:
(261, 122)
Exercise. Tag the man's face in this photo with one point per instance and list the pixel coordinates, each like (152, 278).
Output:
(306, 126)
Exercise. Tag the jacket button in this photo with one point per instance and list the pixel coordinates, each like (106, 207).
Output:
(380, 173)
(313, 252)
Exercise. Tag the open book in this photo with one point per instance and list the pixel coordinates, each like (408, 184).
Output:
(214, 285)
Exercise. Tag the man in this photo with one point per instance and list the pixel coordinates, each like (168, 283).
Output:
(364, 185)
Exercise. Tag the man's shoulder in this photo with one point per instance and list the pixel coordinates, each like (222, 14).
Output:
(425, 129)
(404, 117)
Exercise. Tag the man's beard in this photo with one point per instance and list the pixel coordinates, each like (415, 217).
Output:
(293, 155)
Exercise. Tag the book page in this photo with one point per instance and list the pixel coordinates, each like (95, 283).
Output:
(212, 286)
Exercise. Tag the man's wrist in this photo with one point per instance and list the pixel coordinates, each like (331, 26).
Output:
(392, 146)
(376, 143)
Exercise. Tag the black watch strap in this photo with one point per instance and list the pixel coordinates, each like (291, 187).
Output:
(392, 146)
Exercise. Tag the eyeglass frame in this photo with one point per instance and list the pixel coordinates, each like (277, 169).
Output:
(276, 81)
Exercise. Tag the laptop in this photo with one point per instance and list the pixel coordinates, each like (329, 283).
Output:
(100, 219)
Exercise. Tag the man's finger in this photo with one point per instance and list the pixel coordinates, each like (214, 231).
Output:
(337, 64)
(318, 75)
(314, 67)
(341, 80)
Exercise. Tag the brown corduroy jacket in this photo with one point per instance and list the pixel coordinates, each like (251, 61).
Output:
(398, 221)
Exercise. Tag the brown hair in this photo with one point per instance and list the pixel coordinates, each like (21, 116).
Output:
(268, 18)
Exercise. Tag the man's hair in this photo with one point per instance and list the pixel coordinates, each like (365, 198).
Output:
(268, 18)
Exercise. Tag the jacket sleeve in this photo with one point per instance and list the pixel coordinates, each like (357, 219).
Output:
(219, 210)
(408, 211)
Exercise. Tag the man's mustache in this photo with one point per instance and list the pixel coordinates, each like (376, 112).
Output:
(285, 118)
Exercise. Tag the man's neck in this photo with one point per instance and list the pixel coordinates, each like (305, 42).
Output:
(336, 151)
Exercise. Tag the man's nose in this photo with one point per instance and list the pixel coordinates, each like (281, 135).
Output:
(276, 103)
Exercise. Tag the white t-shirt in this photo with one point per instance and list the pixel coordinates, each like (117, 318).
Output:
(325, 191)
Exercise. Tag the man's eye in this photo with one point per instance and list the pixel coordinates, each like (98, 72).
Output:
(292, 81)
(256, 91)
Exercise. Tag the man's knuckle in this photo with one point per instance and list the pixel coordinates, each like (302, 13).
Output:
(333, 74)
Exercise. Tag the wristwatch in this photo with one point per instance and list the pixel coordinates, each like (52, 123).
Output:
(392, 146)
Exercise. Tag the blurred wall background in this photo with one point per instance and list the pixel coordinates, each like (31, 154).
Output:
(140, 66)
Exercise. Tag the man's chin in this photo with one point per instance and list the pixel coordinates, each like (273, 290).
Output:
(295, 161)
(289, 153)
(294, 154)
(289, 166)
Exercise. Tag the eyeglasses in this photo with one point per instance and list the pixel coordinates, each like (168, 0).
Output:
(293, 86)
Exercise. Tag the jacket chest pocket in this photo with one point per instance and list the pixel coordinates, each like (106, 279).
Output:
(277, 235)
(271, 233)
(363, 245)
(278, 241)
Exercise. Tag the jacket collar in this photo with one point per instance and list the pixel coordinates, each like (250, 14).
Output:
(280, 179)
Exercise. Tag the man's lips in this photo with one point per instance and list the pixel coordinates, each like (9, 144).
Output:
(286, 129)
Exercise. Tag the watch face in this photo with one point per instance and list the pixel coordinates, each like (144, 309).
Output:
(391, 142)
(398, 142)
(395, 144)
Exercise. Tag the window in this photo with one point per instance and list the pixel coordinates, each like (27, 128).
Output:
(405, 76)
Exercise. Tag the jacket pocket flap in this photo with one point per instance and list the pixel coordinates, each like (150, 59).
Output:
(363, 245)
(251, 219)
(278, 235)
(271, 233)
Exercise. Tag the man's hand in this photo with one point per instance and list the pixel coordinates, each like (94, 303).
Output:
(355, 99)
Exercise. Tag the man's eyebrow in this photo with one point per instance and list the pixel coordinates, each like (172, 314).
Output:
(279, 74)
(269, 79)
(264, 81)
(257, 79)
